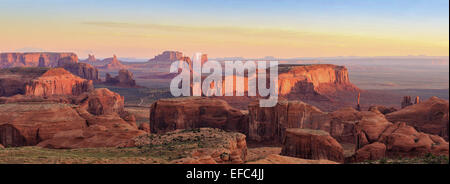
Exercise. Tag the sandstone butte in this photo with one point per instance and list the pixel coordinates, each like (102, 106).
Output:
(167, 56)
(68, 61)
(33, 59)
(195, 112)
(123, 79)
(323, 85)
(113, 63)
(57, 82)
(83, 70)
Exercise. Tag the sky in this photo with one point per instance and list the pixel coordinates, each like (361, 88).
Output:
(227, 28)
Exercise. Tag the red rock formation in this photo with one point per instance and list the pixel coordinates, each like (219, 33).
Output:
(324, 86)
(28, 124)
(91, 58)
(57, 82)
(103, 131)
(101, 101)
(14, 80)
(311, 144)
(234, 151)
(124, 79)
(42, 59)
(358, 106)
(430, 116)
(268, 124)
(406, 101)
(404, 140)
(83, 70)
(113, 63)
(195, 112)
(382, 109)
(145, 127)
(314, 79)
(278, 159)
(374, 151)
(94, 119)
(167, 56)
(417, 100)
(204, 58)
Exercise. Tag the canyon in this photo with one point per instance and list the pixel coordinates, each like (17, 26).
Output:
(58, 102)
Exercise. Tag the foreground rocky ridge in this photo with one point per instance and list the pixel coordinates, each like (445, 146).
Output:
(199, 146)
(372, 135)
(92, 119)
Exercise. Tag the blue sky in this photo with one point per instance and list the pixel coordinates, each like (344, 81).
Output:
(423, 20)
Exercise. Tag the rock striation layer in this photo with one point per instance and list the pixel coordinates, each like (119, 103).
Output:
(195, 112)
(57, 82)
(311, 144)
(33, 59)
(430, 116)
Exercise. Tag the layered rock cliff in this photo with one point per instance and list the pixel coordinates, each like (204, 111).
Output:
(311, 144)
(35, 59)
(113, 63)
(14, 80)
(83, 70)
(195, 112)
(93, 119)
(430, 116)
(124, 79)
(57, 82)
(313, 80)
(167, 56)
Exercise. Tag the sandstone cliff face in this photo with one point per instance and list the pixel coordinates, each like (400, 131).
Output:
(167, 56)
(43, 59)
(403, 140)
(195, 112)
(113, 63)
(320, 79)
(91, 58)
(124, 79)
(93, 119)
(102, 131)
(14, 80)
(430, 116)
(325, 86)
(29, 124)
(57, 82)
(83, 70)
(269, 124)
(311, 144)
(101, 102)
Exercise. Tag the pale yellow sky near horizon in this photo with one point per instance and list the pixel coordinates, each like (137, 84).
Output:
(146, 40)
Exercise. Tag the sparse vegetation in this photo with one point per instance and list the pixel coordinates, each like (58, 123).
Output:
(139, 96)
(426, 159)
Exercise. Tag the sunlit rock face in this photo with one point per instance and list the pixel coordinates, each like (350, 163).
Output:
(35, 59)
(195, 112)
(57, 82)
